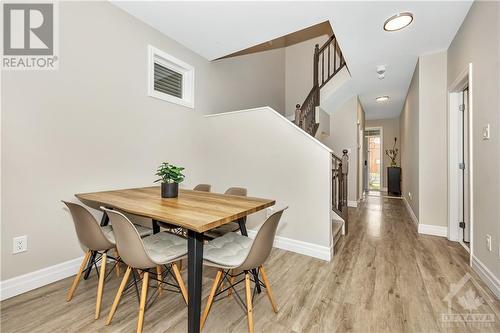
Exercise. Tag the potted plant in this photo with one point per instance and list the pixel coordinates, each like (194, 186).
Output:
(170, 177)
(393, 153)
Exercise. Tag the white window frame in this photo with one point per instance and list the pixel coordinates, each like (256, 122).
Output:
(156, 55)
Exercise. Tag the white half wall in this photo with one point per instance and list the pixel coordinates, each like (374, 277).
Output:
(263, 151)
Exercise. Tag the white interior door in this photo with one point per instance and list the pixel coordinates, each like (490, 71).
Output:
(463, 179)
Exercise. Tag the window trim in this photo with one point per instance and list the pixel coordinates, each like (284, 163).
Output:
(156, 55)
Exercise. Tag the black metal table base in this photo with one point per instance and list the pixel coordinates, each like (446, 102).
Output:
(195, 274)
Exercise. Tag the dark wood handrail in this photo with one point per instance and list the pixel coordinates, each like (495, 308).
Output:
(305, 115)
(330, 47)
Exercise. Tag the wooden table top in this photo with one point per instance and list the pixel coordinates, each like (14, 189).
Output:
(194, 210)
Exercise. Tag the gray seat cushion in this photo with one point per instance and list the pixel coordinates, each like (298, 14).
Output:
(229, 250)
(108, 232)
(165, 247)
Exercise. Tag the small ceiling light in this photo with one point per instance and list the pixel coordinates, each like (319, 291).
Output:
(382, 98)
(398, 21)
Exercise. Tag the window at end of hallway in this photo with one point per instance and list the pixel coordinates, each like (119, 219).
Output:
(169, 78)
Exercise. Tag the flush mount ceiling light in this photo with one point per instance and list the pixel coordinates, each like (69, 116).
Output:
(398, 21)
(382, 98)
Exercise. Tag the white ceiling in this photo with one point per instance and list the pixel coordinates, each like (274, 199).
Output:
(216, 29)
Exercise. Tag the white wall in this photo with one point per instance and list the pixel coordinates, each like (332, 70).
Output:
(323, 118)
(299, 71)
(478, 42)
(91, 126)
(409, 127)
(423, 141)
(265, 152)
(248, 81)
(344, 135)
(433, 150)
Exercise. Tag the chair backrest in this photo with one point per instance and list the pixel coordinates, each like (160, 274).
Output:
(241, 191)
(203, 187)
(263, 242)
(88, 230)
(128, 241)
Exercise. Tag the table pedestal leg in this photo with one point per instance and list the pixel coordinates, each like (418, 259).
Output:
(195, 274)
(156, 227)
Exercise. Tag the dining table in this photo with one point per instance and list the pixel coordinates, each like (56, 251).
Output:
(195, 211)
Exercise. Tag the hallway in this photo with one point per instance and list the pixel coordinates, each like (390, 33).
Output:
(384, 278)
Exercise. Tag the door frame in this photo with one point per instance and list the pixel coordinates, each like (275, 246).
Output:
(382, 166)
(464, 79)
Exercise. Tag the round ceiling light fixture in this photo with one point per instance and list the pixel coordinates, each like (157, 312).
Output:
(382, 98)
(398, 21)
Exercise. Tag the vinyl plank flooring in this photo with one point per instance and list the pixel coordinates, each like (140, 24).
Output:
(385, 277)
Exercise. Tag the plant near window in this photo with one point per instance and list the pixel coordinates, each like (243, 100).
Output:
(170, 177)
(393, 153)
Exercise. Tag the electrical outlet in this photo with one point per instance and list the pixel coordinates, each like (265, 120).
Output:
(488, 242)
(409, 195)
(19, 244)
(269, 211)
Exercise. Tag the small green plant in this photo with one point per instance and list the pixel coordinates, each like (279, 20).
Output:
(169, 173)
(393, 153)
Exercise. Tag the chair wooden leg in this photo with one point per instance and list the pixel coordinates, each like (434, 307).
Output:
(100, 287)
(268, 289)
(159, 278)
(119, 295)
(231, 282)
(180, 282)
(210, 300)
(249, 302)
(142, 304)
(117, 266)
(78, 276)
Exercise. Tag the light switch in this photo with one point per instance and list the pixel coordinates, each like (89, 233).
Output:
(486, 132)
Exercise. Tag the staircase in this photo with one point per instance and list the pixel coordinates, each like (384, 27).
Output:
(328, 61)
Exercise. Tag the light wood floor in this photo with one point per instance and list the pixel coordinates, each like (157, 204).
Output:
(384, 278)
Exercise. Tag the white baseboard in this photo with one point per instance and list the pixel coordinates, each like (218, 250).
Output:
(433, 230)
(486, 275)
(23, 283)
(308, 249)
(410, 210)
(352, 203)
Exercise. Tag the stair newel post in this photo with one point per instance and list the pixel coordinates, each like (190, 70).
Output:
(298, 115)
(345, 171)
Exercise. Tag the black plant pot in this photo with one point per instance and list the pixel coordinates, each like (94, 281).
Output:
(169, 190)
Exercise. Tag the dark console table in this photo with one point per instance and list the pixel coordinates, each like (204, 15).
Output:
(394, 180)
